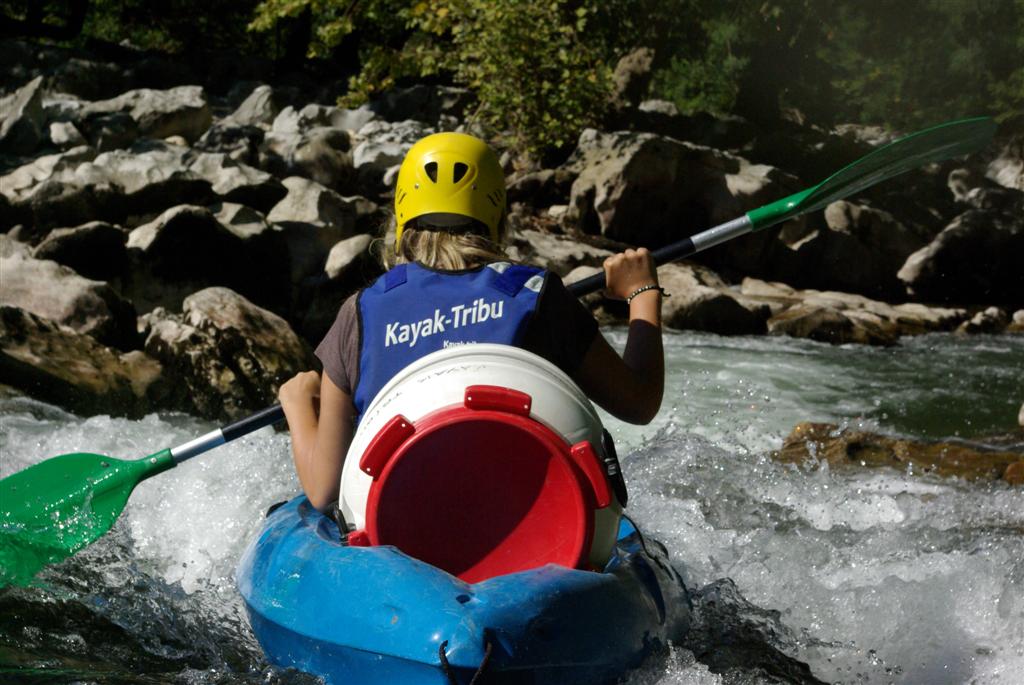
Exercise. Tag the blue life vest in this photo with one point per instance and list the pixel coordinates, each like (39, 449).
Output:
(412, 311)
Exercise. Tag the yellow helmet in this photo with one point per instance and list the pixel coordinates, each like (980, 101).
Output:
(447, 178)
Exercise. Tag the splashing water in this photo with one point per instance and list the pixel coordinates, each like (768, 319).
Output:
(800, 574)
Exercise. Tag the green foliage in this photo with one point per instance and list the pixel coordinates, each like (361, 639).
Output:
(707, 82)
(537, 80)
(905, 64)
(534, 75)
(171, 25)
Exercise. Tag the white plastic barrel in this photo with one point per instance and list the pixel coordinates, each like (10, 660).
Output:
(440, 380)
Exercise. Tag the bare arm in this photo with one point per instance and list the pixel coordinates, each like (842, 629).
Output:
(629, 387)
(319, 443)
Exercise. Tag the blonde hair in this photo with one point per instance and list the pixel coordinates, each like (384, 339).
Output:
(444, 250)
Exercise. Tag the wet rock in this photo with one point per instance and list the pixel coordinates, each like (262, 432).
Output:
(841, 318)
(1014, 473)
(826, 324)
(699, 300)
(58, 365)
(990, 320)
(844, 447)
(1016, 324)
(95, 250)
(229, 355)
(55, 292)
(159, 113)
(22, 123)
(948, 268)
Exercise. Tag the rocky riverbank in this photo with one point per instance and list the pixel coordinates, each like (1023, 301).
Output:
(174, 245)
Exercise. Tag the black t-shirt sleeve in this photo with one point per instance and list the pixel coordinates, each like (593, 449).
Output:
(561, 329)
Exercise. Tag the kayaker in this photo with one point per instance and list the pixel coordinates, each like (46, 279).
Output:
(449, 282)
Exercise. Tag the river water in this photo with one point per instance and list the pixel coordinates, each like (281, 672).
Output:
(799, 574)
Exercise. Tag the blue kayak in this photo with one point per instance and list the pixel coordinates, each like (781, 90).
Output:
(373, 615)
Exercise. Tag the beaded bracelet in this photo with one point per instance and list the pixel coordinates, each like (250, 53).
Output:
(645, 288)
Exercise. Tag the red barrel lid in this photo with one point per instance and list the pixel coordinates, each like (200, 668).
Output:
(479, 490)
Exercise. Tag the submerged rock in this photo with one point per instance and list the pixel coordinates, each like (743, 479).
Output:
(55, 364)
(843, 447)
(228, 355)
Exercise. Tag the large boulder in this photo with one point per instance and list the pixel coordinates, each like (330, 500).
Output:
(181, 111)
(186, 248)
(240, 142)
(314, 219)
(22, 124)
(350, 265)
(632, 77)
(259, 109)
(1007, 169)
(381, 146)
(847, 448)
(55, 364)
(95, 250)
(975, 259)
(431, 105)
(233, 181)
(55, 292)
(322, 154)
(645, 189)
(554, 252)
(229, 355)
(859, 249)
(65, 136)
(840, 318)
(120, 186)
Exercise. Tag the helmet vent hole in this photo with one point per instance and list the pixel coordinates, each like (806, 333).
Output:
(431, 169)
(460, 171)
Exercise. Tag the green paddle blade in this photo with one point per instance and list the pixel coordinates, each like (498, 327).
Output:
(916, 150)
(51, 510)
